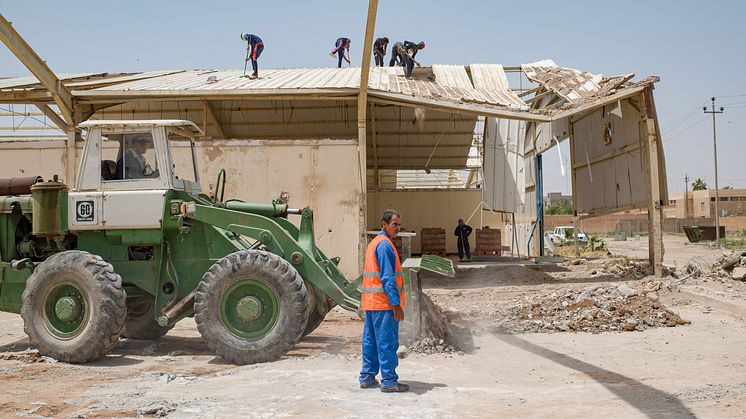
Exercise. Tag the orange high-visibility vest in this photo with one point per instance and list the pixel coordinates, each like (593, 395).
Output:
(374, 297)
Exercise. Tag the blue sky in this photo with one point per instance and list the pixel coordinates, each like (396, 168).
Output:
(697, 48)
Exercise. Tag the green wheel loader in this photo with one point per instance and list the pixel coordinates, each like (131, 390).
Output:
(134, 246)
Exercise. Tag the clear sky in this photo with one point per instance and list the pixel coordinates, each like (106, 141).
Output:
(696, 47)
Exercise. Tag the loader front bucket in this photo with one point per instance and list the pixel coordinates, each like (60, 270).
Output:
(421, 317)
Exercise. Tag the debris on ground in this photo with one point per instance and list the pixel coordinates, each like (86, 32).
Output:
(430, 346)
(29, 356)
(732, 265)
(595, 309)
(158, 409)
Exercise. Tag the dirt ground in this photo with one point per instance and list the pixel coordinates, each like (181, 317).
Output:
(686, 370)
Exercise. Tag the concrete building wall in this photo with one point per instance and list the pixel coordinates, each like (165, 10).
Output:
(258, 171)
(442, 209)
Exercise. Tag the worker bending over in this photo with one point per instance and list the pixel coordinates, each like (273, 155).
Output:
(340, 47)
(379, 50)
(383, 301)
(403, 54)
(256, 45)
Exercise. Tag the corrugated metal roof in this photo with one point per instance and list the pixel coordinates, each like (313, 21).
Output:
(26, 81)
(490, 79)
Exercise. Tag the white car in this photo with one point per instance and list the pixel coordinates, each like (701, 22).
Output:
(561, 233)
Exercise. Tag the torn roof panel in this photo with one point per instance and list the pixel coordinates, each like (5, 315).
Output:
(491, 80)
(27, 81)
(568, 83)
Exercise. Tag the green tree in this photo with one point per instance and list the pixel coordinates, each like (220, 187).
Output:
(563, 207)
(699, 185)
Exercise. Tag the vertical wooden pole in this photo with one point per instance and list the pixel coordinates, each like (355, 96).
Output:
(72, 137)
(655, 232)
(362, 107)
(376, 176)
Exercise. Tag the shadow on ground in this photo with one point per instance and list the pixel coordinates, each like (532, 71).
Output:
(647, 400)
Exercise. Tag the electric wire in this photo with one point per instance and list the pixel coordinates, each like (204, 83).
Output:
(700, 121)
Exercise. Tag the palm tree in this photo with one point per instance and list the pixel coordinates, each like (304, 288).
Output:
(699, 185)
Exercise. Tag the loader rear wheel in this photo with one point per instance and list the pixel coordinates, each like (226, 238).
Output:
(140, 322)
(74, 307)
(251, 306)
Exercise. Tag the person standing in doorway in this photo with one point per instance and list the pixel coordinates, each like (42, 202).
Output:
(463, 231)
(383, 301)
(342, 49)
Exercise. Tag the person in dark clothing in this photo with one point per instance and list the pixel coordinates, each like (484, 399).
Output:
(400, 57)
(379, 50)
(340, 47)
(462, 232)
(413, 48)
(255, 44)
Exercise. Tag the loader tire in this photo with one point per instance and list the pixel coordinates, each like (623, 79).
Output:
(140, 322)
(74, 307)
(251, 306)
(314, 321)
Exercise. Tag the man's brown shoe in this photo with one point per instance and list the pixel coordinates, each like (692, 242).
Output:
(398, 388)
(372, 384)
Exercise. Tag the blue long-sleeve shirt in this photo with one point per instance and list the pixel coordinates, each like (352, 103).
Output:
(386, 259)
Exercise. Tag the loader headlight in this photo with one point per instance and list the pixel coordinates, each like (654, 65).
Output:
(188, 208)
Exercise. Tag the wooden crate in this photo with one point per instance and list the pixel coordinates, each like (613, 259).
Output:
(433, 241)
(489, 242)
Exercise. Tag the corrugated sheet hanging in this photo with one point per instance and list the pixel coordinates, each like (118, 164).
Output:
(490, 79)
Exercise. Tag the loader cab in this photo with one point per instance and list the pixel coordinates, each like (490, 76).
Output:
(137, 155)
(126, 170)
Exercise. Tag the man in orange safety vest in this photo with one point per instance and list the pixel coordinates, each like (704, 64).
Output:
(383, 301)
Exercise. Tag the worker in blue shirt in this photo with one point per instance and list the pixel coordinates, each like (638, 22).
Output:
(340, 47)
(379, 50)
(383, 301)
(255, 44)
(413, 48)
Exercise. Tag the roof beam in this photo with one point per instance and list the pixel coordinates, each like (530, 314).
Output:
(18, 46)
(52, 115)
(214, 119)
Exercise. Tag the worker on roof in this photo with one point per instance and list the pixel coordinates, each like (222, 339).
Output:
(403, 56)
(255, 44)
(413, 48)
(379, 50)
(341, 46)
(383, 301)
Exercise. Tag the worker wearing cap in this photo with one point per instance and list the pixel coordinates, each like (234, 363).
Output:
(341, 46)
(383, 301)
(413, 48)
(256, 45)
(379, 50)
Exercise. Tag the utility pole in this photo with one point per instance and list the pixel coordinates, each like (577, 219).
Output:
(715, 148)
(686, 196)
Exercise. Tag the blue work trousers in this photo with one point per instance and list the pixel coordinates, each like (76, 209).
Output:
(380, 342)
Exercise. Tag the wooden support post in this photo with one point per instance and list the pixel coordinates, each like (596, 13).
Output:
(72, 138)
(362, 107)
(655, 231)
(210, 114)
(376, 177)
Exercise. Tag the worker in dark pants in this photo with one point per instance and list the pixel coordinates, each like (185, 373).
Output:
(256, 45)
(462, 232)
(400, 57)
(413, 48)
(379, 50)
(340, 47)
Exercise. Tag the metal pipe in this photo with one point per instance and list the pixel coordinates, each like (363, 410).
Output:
(268, 210)
(178, 309)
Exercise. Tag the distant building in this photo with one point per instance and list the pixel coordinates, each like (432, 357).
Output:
(701, 204)
(556, 198)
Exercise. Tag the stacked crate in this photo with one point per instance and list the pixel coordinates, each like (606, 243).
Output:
(397, 242)
(489, 242)
(433, 241)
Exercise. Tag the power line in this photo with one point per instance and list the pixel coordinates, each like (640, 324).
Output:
(671, 137)
(682, 119)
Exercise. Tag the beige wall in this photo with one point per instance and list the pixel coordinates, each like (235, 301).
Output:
(256, 171)
(442, 209)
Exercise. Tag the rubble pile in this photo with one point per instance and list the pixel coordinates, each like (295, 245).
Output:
(731, 266)
(429, 346)
(598, 308)
(619, 268)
